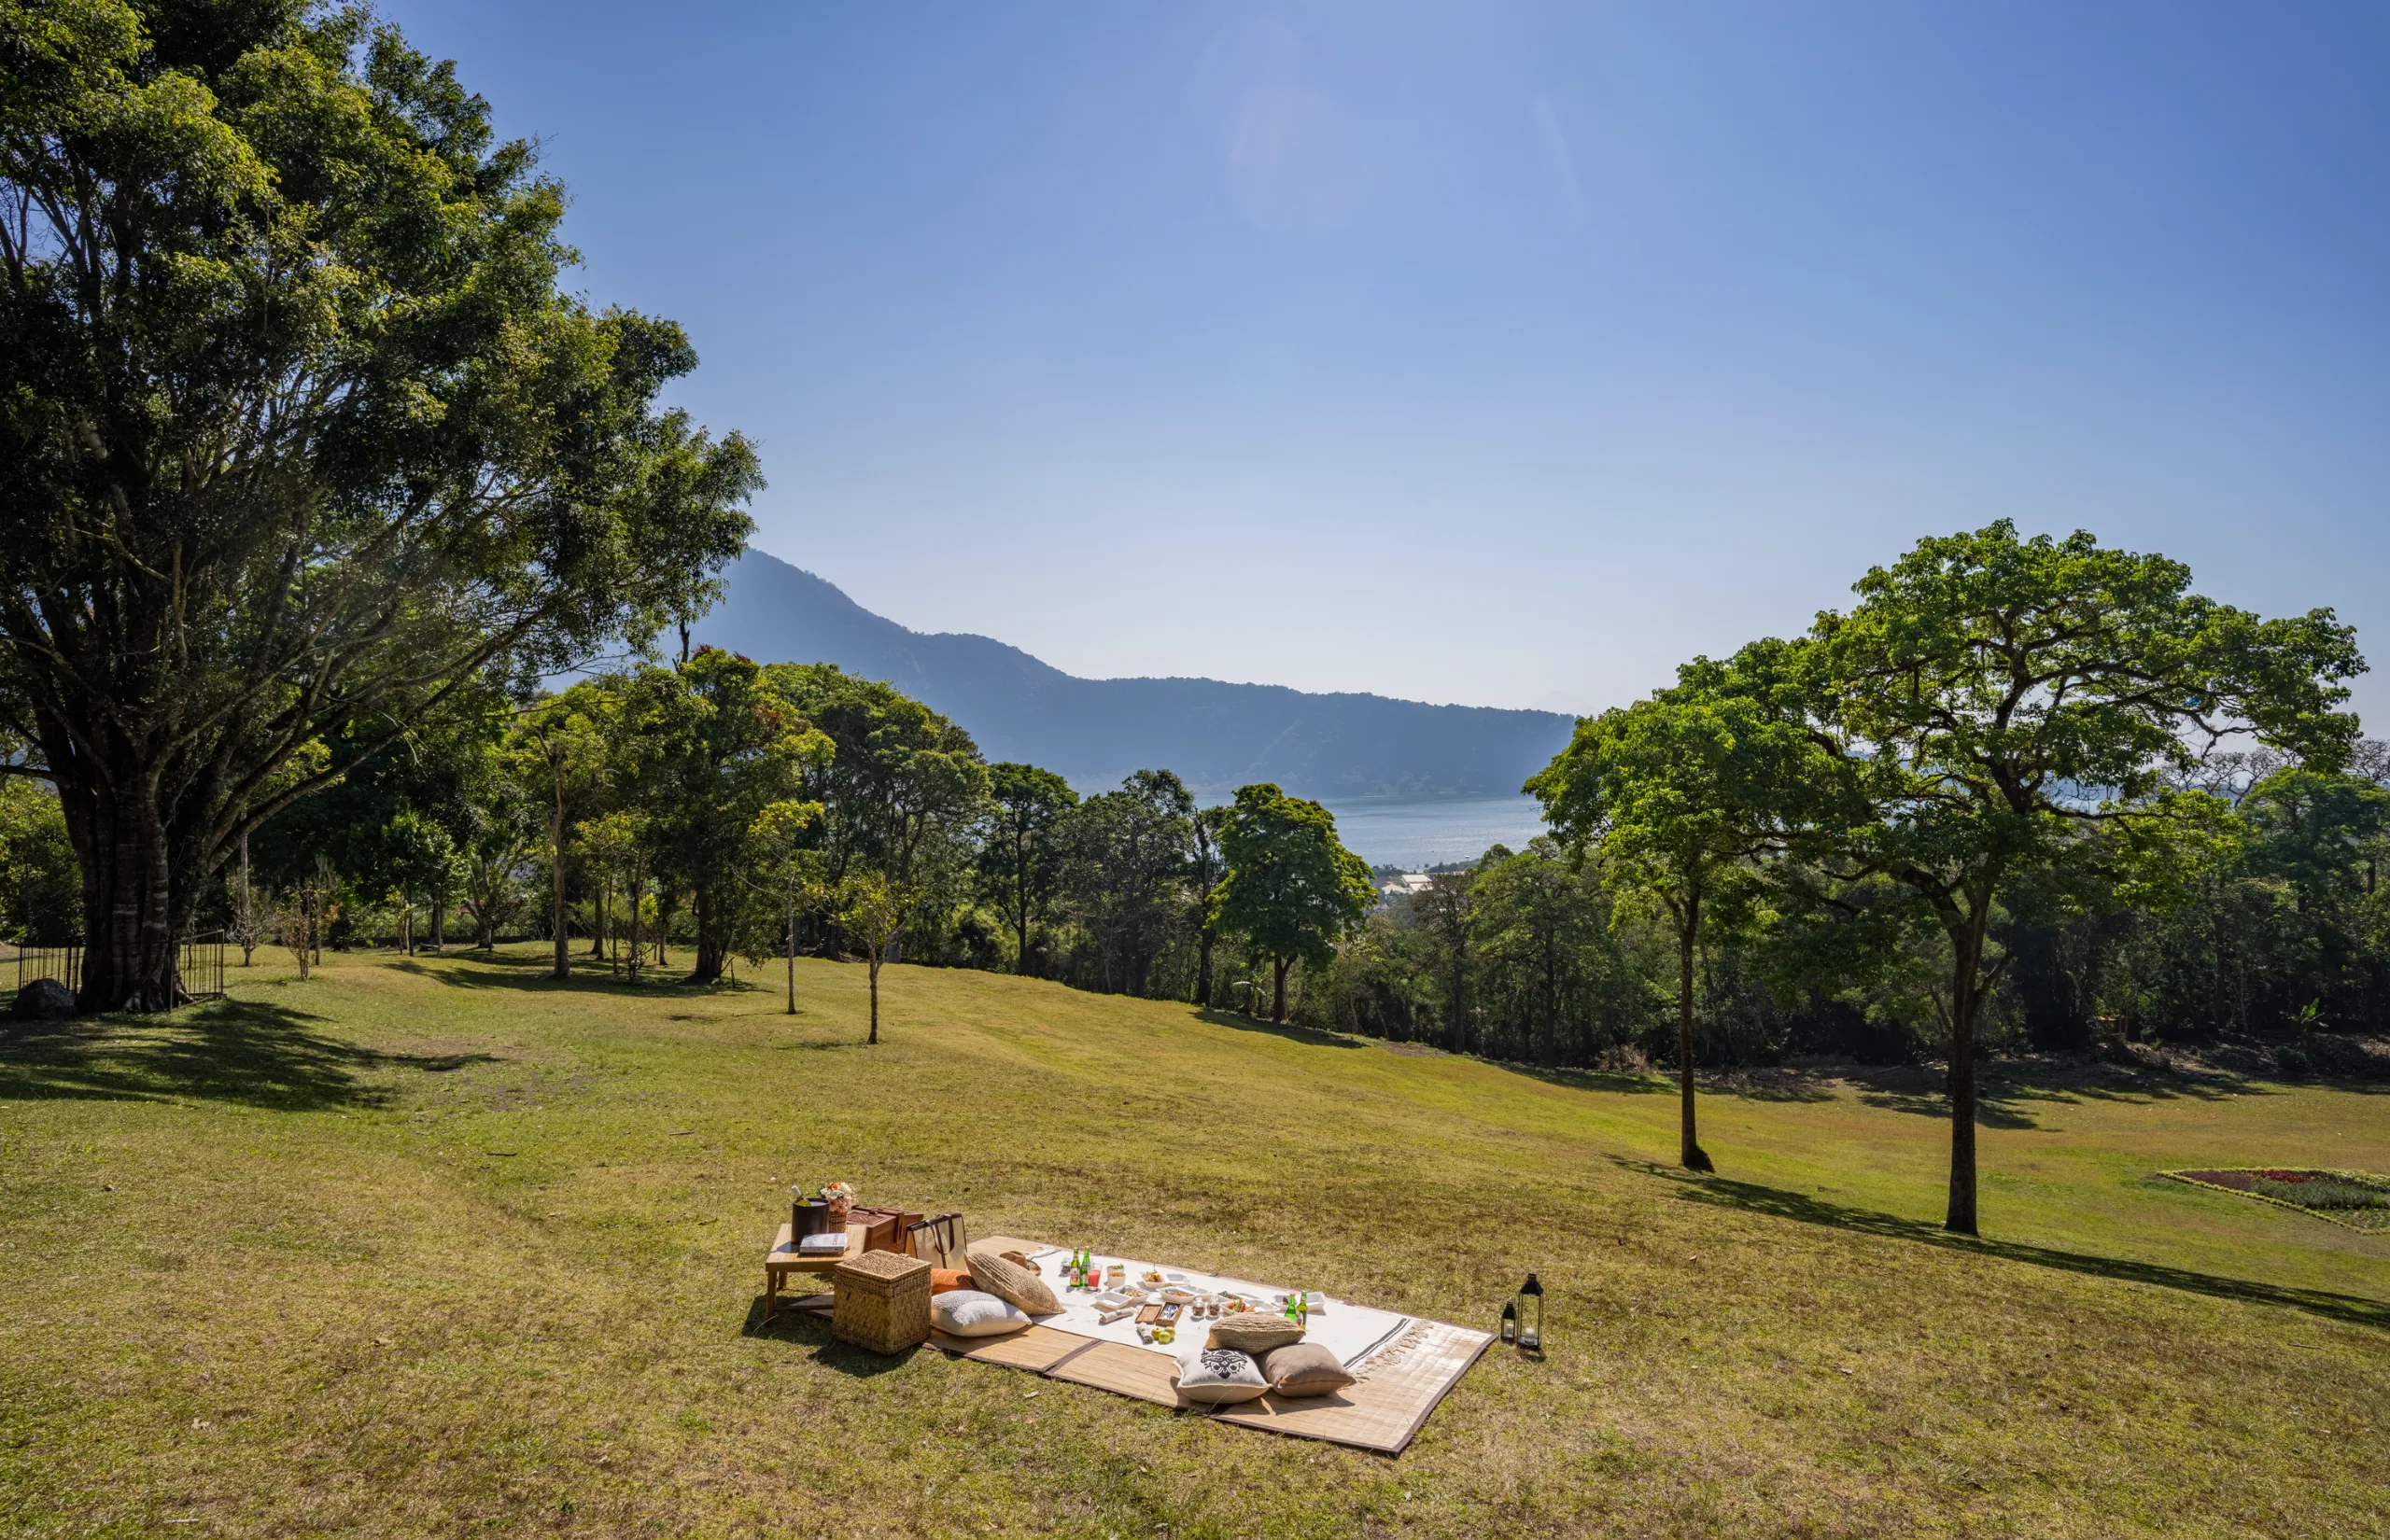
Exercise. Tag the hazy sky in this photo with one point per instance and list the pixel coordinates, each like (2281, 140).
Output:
(1502, 355)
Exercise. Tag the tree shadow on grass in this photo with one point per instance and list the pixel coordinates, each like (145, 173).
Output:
(589, 976)
(1311, 1036)
(1591, 1080)
(253, 1054)
(1752, 1198)
(805, 1328)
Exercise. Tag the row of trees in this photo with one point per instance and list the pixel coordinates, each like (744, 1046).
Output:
(755, 810)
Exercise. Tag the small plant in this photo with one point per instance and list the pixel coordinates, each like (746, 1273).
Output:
(2358, 1200)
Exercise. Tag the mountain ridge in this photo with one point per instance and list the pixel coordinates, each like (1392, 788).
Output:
(1215, 734)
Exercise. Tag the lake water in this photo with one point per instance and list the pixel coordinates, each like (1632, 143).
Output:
(1387, 831)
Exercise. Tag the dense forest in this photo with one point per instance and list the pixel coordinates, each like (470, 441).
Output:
(1525, 955)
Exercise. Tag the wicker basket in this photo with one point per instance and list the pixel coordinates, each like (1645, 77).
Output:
(883, 1302)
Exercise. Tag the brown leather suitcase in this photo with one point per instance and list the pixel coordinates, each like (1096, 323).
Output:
(888, 1226)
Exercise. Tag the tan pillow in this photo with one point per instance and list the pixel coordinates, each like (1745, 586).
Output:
(1253, 1334)
(1008, 1280)
(1304, 1369)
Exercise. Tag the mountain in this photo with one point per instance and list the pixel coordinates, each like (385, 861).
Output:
(1093, 731)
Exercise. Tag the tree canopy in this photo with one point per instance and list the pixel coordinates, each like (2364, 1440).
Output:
(1681, 794)
(2002, 715)
(302, 434)
(1292, 889)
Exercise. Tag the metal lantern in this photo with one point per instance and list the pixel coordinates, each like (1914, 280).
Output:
(1530, 1314)
(1510, 1323)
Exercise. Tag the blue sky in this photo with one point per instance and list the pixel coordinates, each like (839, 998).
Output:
(1501, 355)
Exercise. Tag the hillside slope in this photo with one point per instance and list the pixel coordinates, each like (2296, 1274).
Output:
(439, 1246)
(1216, 736)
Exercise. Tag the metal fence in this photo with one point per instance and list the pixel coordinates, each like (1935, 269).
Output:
(63, 964)
(200, 962)
(202, 965)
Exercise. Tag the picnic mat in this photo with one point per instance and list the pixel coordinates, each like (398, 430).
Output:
(1406, 1365)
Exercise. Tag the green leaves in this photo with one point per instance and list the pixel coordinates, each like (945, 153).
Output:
(300, 428)
(1676, 791)
(1292, 889)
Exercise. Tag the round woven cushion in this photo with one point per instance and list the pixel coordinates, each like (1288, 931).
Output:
(1008, 1280)
(1254, 1334)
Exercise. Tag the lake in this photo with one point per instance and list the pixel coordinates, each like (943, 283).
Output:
(1392, 832)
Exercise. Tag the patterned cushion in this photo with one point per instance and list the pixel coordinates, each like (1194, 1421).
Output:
(1254, 1334)
(1008, 1280)
(1214, 1375)
(1304, 1369)
(968, 1312)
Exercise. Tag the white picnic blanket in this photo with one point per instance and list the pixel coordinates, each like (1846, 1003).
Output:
(1349, 1331)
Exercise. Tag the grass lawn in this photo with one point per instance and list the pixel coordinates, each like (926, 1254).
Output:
(442, 1248)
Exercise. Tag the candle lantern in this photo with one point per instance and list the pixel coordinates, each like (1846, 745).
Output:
(1530, 1315)
(1510, 1323)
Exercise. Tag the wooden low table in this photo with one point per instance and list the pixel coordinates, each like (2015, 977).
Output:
(782, 1260)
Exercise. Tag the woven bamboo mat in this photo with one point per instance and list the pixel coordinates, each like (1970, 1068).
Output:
(1402, 1380)
(1123, 1371)
(1400, 1385)
(1035, 1348)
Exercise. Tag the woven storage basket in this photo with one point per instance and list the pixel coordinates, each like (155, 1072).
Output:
(883, 1302)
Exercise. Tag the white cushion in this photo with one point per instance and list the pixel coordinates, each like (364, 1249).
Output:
(1214, 1375)
(968, 1312)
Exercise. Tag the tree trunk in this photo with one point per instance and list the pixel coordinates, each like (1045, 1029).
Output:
(132, 912)
(1966, 948)
(1551, 1003)
(438, 924)
(638, 891)
(792, 957)
(1689, 1147)
(1020, 912)
(710, 948)
(556, 884)
(874, 1038)
(1278, 989)
(1204, 966)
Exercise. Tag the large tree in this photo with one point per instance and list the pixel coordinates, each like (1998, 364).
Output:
(1292, 889)
(556, 751)
(1681, 793)
(2007, 720)
(724, 744)
(903, 787)
(1124, 858)
(1017, 860)
(300, 433)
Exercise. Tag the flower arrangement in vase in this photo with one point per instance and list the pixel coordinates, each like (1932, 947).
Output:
(841, 1199)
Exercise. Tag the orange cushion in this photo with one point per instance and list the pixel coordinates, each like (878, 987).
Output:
(944, 1279)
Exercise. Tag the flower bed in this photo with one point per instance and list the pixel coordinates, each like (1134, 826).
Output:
(2358, 1200)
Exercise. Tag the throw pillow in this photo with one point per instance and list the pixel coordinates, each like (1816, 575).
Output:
(943, 1278)
(1008, 1280)
(1304, 1369)
(1254, 1334)
(1217, 1375)
(968, 1312)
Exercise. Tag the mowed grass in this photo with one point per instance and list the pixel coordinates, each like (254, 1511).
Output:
(442, 1248)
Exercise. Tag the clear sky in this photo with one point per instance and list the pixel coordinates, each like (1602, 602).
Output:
(1500, 354)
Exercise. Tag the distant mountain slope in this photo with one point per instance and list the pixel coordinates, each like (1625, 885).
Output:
(1093, 731)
